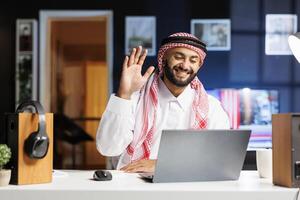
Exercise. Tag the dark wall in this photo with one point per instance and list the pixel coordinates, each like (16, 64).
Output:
(171, 16)
(248, 60)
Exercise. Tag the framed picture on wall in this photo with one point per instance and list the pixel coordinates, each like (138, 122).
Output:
(278, 28)
(216, 33)
(140, 31)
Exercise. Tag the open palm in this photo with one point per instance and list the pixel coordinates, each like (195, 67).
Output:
(131, 79)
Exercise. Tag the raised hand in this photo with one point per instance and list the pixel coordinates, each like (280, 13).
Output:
(131, 79)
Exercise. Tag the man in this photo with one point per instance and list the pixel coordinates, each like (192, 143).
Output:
(171, 98)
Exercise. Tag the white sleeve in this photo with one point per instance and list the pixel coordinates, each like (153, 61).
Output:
(218, 118)
(115, 131)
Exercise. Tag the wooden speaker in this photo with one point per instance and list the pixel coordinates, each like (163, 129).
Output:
(27, 170)
(286, 149)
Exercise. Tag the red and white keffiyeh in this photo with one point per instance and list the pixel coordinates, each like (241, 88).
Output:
(145, 124)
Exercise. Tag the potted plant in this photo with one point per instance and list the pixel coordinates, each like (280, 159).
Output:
(5, 155)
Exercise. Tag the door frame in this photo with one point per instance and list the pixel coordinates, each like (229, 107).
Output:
(45, 18)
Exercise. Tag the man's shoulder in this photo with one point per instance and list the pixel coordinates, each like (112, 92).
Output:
(136, 94)
(213, 100)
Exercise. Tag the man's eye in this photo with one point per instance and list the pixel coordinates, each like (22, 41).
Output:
(178, 57)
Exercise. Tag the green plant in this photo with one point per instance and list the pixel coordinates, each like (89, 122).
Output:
(5, 155)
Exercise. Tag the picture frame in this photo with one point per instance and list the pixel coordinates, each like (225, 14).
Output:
(278, 28)
(215, 33)
(140, 31)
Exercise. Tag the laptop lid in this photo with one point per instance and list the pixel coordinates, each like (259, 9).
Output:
(201, 155)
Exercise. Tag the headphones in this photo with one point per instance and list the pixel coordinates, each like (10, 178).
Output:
(37, 143)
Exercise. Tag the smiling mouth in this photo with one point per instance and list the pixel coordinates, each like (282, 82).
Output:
(181, 73)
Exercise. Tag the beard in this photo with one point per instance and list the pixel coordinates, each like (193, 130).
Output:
(170, 75)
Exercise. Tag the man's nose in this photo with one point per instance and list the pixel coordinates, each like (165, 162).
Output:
(183, 67)
(186, 64)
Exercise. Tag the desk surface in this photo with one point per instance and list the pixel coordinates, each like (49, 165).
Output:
(79, 185)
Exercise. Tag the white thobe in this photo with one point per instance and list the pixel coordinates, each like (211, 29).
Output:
(115, 131)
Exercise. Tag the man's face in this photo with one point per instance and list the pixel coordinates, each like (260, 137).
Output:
(181, 65)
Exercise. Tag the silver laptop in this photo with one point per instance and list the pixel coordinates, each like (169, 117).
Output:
(200, 155)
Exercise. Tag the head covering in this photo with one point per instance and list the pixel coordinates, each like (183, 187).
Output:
(181, 40)
(146, 112)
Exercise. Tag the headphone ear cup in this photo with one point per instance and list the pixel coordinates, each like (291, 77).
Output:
(35, 146)
(29, 144)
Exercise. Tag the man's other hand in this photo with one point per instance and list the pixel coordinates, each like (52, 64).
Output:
(140, 166)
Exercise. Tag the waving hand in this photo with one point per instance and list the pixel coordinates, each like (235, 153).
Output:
(131, 79)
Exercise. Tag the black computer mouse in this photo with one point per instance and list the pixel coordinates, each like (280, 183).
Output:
(102, 175)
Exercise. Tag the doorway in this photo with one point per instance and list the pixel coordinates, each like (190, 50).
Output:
(75, 75)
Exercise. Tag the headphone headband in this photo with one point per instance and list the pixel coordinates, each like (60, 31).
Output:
(41, 114)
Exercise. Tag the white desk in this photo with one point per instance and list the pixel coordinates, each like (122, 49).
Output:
(78, 185)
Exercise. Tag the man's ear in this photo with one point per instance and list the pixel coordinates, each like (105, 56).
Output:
(200, 66)
(201, 63)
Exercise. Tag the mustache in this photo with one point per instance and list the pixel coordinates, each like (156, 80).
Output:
(180, 68)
